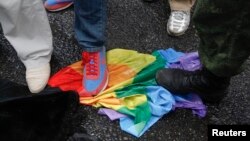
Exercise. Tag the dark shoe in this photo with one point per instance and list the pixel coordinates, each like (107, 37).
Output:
(211, 88)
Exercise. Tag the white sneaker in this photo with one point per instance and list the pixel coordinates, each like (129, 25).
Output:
(178, 22)
(37, 78)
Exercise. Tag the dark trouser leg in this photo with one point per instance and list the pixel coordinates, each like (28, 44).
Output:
(90, 24)
(224, 30)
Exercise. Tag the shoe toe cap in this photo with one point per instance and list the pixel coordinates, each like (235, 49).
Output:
(37, 78)
(36, 85)
(161, 77)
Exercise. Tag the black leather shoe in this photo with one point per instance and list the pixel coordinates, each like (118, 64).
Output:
(211, 88)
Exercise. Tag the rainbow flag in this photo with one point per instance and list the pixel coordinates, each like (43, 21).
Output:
(132, 89)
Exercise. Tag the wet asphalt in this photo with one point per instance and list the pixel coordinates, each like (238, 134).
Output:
(134, 24)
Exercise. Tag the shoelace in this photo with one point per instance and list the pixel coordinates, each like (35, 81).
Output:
(178, 15)
(89, 60)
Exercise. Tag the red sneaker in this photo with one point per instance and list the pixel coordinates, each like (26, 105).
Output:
(57, 5)
(95, 73)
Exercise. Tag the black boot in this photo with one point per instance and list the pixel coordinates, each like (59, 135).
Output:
(211, 88)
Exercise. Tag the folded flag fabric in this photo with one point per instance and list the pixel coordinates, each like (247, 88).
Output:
(132, 89)
(112, 114)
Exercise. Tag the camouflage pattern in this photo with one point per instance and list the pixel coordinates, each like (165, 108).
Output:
(224, 30)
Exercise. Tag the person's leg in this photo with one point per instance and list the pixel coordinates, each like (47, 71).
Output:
(224, 31)
(90, 26)
(26, 27)
(179, 18)
(181, 5)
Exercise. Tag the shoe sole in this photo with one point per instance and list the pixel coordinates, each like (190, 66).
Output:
(176, 35)
(60, 9)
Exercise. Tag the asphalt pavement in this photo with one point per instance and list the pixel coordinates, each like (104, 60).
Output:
(134, 24)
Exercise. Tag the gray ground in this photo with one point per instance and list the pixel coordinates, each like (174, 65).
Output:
(141, 26)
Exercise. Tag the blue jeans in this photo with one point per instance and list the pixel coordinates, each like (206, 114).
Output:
(90, 24)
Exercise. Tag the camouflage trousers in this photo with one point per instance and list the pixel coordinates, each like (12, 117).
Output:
(224, 30)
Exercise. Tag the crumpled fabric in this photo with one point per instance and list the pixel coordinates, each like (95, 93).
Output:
(191, 101)
(132, 89)
(161, 102)
(112, 114)
(123, 65)
(189, 61)
(170, 55)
